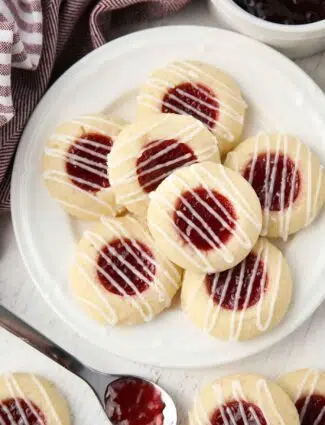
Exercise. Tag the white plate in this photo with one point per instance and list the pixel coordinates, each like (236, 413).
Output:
(280, 96)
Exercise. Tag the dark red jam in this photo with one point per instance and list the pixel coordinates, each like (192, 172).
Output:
(311, 410)
(124, 265)
(159, 158)
(192, 99)
(288, 12)
(204, 218)
(249, 274)
(238, 413)
(87, 168)
(273, 179)
(132, 401)
(18, 411)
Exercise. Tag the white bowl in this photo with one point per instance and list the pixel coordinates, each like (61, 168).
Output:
(296, 41)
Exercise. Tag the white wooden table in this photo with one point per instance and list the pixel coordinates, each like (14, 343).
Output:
(302, 349)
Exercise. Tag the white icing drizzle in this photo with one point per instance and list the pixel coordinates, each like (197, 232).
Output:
(89, 165)
(16, 393)
(189, 72)
(312, 192)
(213, 310)
(229, 190)
(263, 394)
(186, 134)
(307, 391)
(138, 301)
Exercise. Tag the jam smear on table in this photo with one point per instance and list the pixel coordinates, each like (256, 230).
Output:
(311, 410)
(87, 163)
(192, 99)
(159, 158)
(125, 265)
(288, 12)
(249, 274)
(133, 401)
(204, 218)
(238, 413)
(274, 179)
(18, 411)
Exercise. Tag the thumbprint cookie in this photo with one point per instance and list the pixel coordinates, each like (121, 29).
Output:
(75, 165)
(201, 90)
(30, 400)
(244, 301)
(243, 400)
(306, 388)
(287, 177)
(205, 217)
(146, 152)
(119, 276)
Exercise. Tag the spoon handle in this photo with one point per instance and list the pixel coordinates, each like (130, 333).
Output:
(31, 336)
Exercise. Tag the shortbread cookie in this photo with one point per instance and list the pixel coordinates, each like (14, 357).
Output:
(30, 400)
(287, 177)
(205, 217)
(119, 276)
(75, 165)
(306, 388)
(243, 400)
(201, 90)
(244, 301)
(146, 152)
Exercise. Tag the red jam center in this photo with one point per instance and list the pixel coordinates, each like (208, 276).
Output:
(238, 413)
(274, 179)
(192, 99)
(87, 163)
(132, 401)
(18, 411)
(204, 218)
(311, 410)
(240, 287)
(125, 265)
(159, 158)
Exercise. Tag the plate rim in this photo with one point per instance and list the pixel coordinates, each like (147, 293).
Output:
(16, 199)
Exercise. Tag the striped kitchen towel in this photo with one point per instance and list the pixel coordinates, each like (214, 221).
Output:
(39, 39)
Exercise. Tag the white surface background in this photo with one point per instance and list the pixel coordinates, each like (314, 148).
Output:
(302, 349)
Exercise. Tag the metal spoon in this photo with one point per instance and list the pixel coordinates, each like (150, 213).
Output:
(99, 382)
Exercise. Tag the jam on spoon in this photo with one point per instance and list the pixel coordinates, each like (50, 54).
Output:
(134, 401)
(288, 12)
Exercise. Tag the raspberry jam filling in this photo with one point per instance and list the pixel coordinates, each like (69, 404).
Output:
(238, 413)
(311, 410)
(87, 163)
(192, 99)
(125, 266)
(204, 218)
(238, 288)
(159, 158)
(133, 401)
(19, 411)
(274, 179)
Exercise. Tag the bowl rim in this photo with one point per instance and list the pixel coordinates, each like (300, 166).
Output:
(254, 20)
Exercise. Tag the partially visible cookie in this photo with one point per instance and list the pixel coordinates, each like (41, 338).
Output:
(119, 276)
(306, 388)
(75, 165)
(205, 217)
(244, 301)
(243, 400)
(31, 400)
(147, 151)
(198, 89)
(287, 177)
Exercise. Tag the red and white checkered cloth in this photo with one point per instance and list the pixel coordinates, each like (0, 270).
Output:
(39, 39)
